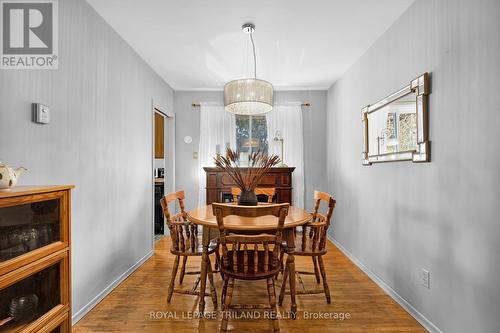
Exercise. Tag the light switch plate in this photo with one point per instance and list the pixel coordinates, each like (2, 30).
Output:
(41, 113)
(426, 278)
(195, 155)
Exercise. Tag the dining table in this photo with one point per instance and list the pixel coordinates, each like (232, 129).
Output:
(204, 217)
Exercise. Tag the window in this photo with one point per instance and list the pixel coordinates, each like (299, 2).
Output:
(251, 134)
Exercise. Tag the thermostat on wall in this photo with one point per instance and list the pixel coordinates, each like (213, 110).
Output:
(41, 113)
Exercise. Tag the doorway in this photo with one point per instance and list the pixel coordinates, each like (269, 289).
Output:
(159, 172)
(163, 165)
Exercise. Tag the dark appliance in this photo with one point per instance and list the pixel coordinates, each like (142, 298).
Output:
(159, 225)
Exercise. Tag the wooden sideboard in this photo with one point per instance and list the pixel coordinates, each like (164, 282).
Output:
(35, 274)
(219, 184)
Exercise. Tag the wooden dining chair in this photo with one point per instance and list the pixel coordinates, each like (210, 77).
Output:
(185, 244)
(311, 242)
(249, 257)
(267, 191)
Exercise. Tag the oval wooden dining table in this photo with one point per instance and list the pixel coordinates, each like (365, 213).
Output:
(204, 216)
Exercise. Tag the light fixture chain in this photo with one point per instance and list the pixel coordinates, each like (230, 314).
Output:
(254, 57)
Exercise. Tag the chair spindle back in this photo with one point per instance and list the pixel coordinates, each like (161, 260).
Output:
(183, 233)
(250, 243)
(315, 232)
(267, 191)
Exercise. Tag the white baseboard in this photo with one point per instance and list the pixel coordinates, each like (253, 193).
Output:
(426, 323)
(90, 305)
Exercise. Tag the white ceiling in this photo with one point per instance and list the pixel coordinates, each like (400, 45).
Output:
(301, 44)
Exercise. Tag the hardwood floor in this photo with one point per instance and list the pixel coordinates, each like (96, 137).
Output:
(138, 303)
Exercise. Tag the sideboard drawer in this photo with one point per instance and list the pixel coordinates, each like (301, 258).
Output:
(268, 180)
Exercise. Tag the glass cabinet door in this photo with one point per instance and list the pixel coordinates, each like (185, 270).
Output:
(29, 226)
(35, 294)
(60, 325)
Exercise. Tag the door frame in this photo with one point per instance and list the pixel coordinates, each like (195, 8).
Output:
(169, 157)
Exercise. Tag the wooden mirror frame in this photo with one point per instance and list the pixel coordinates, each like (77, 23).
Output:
(419, 87)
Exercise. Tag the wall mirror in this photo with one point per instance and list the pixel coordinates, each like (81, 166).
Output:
(395, 128)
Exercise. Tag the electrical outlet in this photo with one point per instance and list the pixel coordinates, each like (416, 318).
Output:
(426, 279)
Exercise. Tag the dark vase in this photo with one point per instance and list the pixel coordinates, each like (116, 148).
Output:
(247, 198)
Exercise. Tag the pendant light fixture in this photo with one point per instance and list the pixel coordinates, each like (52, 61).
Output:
(249, 96)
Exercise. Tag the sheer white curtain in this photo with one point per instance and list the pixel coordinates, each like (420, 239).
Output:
(287, 118)
(217, 127)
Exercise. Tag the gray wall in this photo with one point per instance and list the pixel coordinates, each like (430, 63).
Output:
(188, 123)
(397, 218)
(100, 139)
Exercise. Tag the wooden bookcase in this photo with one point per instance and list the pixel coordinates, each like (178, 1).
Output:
(35, 272)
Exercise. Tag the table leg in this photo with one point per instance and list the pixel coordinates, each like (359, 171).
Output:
(203, 273)
(290, 243)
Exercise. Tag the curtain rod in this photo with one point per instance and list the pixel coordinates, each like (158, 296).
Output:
(197, 105)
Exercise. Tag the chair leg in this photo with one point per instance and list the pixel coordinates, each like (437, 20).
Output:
(217, 258)
(224, 292)
(183, 269)
(272, 302)
(316, 270)
(218, 263)
(282, 254)
(172, 279)
(283, 285)
(227, 303)
(213, 293)
(323, 276)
